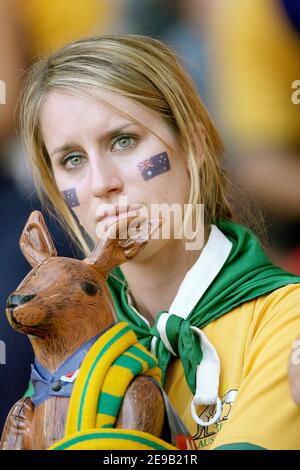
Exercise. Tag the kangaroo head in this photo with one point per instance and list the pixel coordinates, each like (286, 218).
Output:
(62, 300)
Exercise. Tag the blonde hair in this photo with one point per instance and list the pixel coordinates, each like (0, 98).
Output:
(142, 69)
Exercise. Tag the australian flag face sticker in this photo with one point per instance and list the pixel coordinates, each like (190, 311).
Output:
(154, 166)
(70, 196)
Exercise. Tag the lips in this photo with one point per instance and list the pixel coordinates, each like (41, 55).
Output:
(106, 218)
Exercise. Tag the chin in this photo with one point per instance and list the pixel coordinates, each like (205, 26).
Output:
(153, 248)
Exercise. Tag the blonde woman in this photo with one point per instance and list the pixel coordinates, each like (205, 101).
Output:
(113, 126)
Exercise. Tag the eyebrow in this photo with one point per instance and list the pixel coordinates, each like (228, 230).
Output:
(111, 133)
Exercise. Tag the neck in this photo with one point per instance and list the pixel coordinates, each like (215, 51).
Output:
(154, 283)
(59, 344)
(52, 351)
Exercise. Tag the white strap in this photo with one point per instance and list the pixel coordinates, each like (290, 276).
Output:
(207, 373)
(153, 345)
(207, 380)
(215, 418)
(202, 274)
(161, 328)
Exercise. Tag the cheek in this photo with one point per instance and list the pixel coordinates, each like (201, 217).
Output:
(86, 219)
(71, 198)
(165, 178)
(74, 193)
(77, 198)
(154, 166)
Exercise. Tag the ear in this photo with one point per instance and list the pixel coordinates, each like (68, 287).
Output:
(121, 242)
(36, 242)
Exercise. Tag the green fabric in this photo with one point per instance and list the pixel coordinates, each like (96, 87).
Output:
(109, 403)
(30, 390)
(240, 446)
(246, 274)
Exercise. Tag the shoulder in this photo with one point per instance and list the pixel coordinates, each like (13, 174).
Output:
(274, 327)
(288, 292)
(284, 302)
(268, 321)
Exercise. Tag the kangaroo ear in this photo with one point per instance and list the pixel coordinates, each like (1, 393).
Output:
(36, 242)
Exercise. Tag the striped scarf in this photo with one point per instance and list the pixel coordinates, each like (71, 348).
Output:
(107, 370)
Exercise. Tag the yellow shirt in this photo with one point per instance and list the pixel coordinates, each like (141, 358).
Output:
(253, 342)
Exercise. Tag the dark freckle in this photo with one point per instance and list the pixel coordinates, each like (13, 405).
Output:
(89, 288)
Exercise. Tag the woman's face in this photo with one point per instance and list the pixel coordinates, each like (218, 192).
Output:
(98, 156)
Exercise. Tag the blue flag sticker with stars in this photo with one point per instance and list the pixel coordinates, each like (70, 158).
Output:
(154, 166)
(70, 196)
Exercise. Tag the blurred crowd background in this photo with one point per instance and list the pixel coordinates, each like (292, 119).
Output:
(243, 56)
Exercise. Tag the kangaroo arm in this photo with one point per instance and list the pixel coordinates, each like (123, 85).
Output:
(143, 408)
(16, 429)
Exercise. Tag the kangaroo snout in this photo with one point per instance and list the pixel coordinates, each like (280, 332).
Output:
(15, 300)
(24, 316)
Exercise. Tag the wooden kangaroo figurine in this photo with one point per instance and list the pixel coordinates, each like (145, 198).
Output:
(61, 304)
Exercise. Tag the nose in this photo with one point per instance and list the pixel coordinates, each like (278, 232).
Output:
(105, 178)
(15, 300)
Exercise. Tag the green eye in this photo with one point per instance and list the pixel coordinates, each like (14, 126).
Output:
(123, 142)
(72, 160)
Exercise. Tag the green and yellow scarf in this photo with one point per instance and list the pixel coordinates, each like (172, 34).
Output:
(104, 376)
